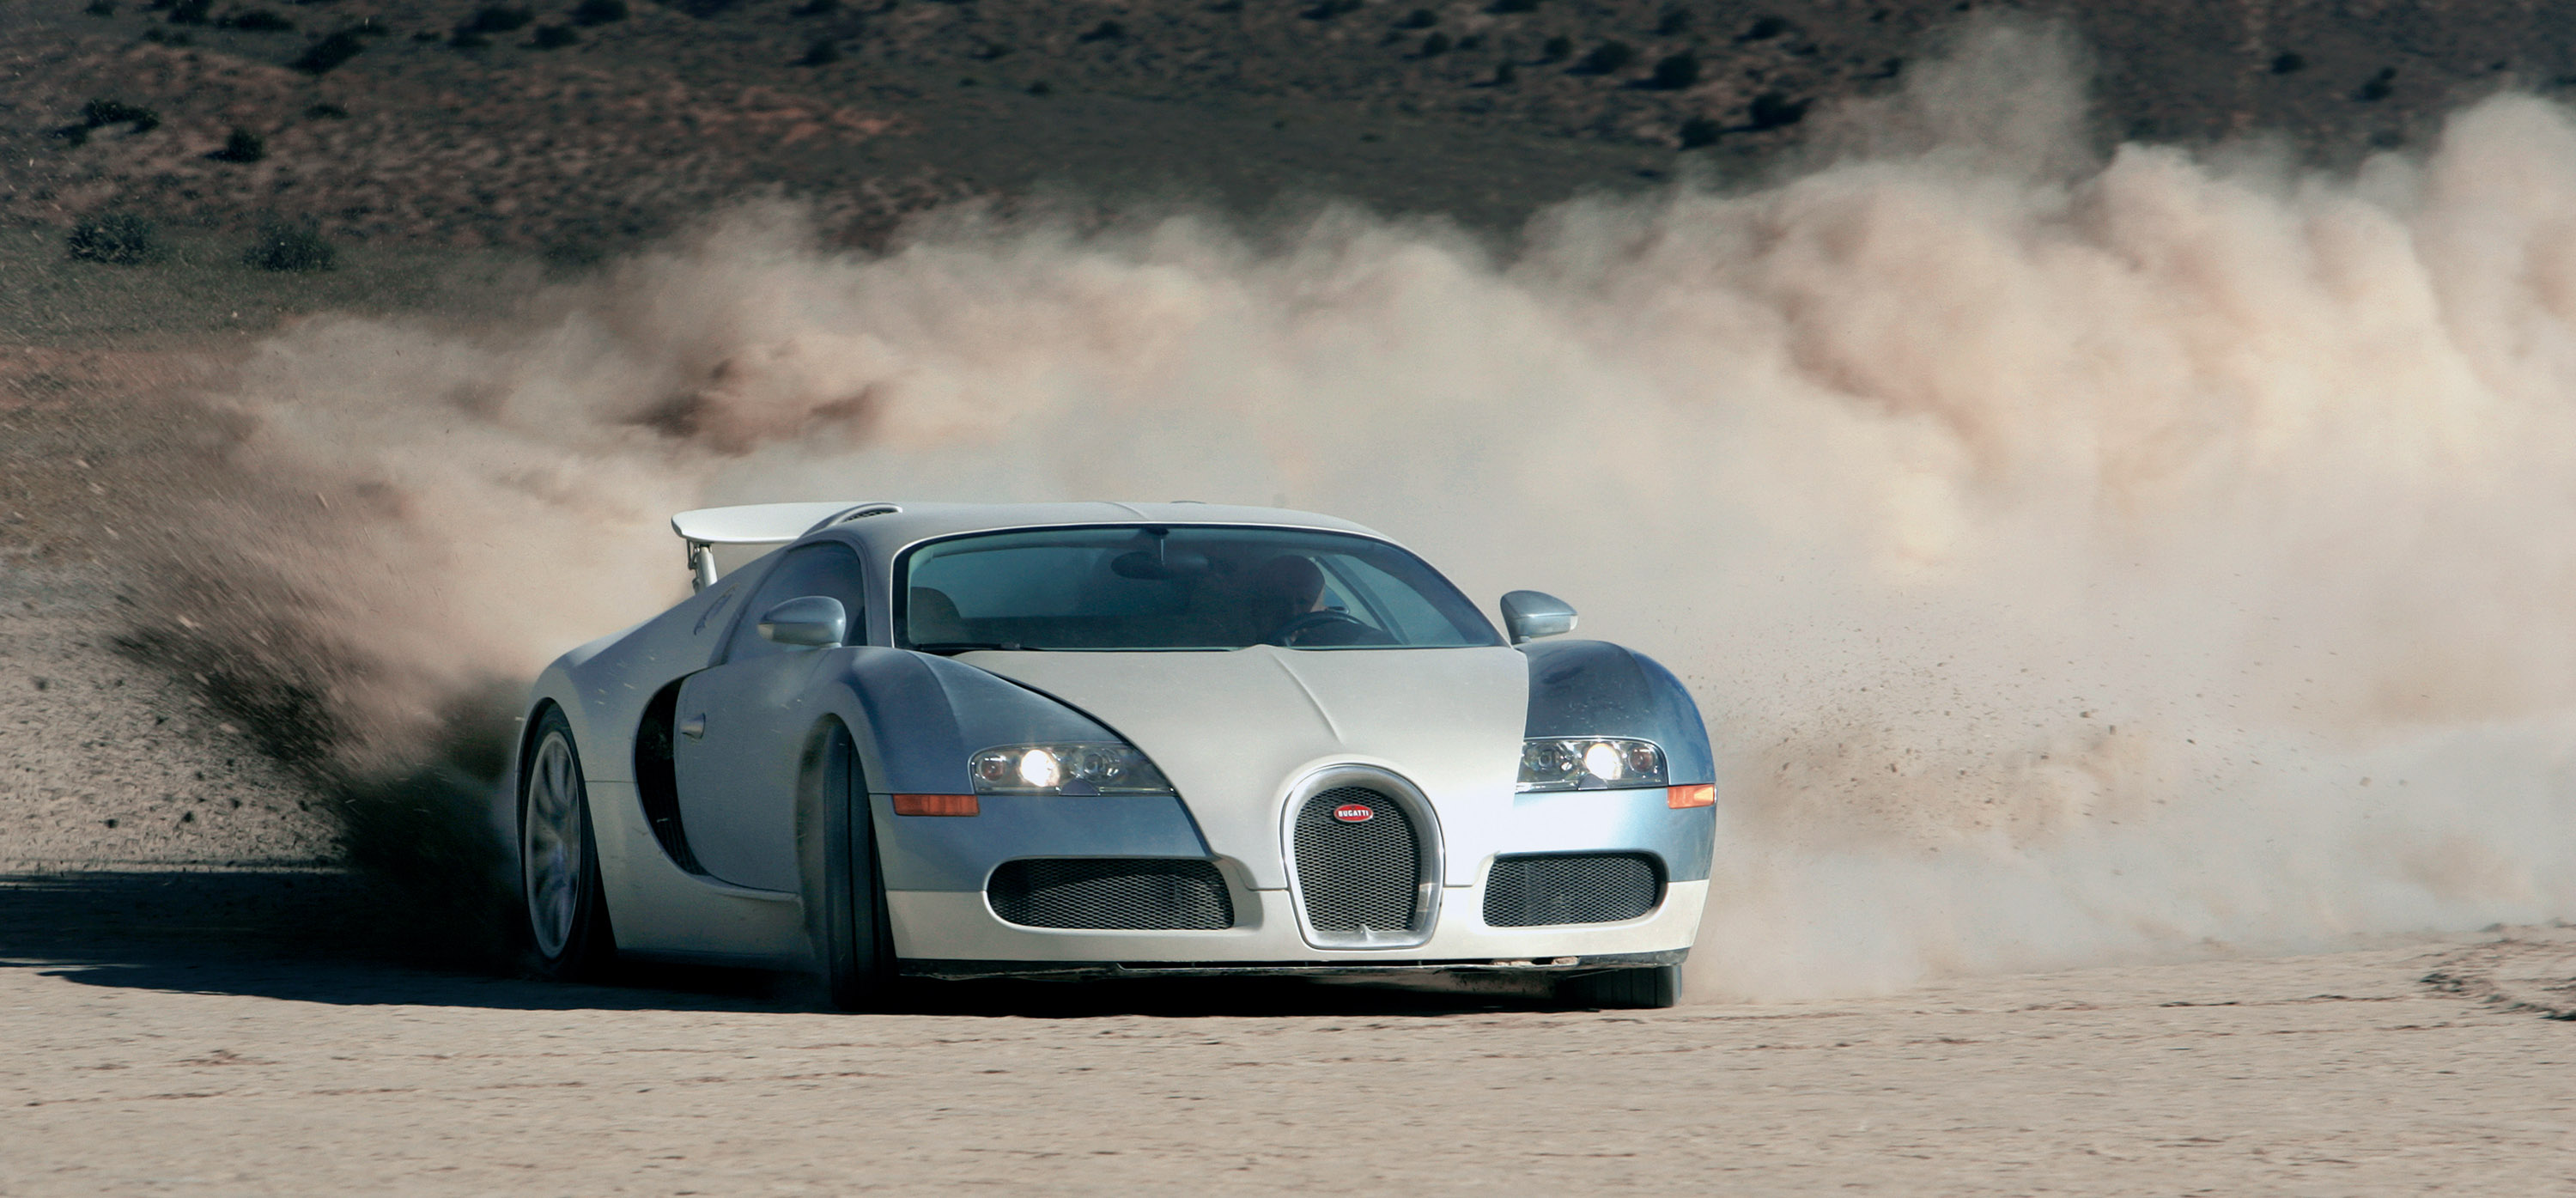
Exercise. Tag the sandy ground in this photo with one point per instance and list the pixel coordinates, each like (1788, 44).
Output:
(164, 1068)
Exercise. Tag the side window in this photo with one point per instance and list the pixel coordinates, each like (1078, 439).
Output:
(829, 569)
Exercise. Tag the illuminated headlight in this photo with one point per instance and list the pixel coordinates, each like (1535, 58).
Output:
(1589, 763)
(1079, 769)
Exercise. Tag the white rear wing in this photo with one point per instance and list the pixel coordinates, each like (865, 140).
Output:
(757, 524)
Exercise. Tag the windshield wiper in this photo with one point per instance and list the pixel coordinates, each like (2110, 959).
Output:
(964, 646)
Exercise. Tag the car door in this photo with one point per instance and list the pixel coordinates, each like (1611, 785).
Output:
(742, 725)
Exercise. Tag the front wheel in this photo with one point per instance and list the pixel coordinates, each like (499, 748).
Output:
(559, 859)
(853, 935)
(1651, 987)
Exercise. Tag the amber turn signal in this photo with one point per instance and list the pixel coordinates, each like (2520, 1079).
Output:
(936, 805)
(1702, 795)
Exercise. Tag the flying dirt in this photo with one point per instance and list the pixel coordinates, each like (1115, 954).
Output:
(2082, 558)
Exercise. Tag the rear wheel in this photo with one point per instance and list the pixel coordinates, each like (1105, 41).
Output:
(559, 858)
(853, 936)
(1651, 987)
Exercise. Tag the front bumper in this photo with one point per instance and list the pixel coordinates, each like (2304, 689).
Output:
(950, 933)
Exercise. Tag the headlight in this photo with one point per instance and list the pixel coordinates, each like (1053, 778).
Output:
(1077, 769)
(1589, 763)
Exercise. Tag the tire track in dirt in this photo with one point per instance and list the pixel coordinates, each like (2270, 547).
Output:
(2530, 969)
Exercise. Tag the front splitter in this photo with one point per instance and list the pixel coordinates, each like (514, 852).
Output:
(1073, 970)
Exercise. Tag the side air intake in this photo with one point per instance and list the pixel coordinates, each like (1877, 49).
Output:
(1545, 891)
(1128, 894)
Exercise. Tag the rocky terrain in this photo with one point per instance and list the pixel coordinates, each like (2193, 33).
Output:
(580, 128)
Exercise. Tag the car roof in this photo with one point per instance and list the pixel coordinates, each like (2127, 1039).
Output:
(885, 529)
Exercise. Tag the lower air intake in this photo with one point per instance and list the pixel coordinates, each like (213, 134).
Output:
(1134, 894)
(1359, 862)
(1535, 892)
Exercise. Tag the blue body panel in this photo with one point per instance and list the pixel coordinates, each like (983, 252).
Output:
(1595, 688)
(929, 714)
(925, 717)
(1589, 821)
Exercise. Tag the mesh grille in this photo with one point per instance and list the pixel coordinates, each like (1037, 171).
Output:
(1143, 894)
(1362, 876)
(1530, 892)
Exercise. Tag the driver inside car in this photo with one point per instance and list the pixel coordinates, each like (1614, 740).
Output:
(1284, 589)
(1287, 600)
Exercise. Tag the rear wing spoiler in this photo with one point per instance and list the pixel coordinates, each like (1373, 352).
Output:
(757, 524)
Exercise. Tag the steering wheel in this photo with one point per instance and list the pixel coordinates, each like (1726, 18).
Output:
(1287, 634)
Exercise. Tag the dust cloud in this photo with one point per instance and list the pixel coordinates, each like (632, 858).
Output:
(2081, 556)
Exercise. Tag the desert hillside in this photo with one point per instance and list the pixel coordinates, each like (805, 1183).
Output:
(579, 127)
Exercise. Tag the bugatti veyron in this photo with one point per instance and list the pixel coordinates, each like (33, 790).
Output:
(1099, 739)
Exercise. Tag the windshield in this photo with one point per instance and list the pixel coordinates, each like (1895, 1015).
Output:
(1154, 587)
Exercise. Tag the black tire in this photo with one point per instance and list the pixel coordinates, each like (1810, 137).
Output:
(845, 891)
(1644, 988)
(578, 944)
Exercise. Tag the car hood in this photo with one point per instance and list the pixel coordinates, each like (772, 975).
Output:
(1236, 730)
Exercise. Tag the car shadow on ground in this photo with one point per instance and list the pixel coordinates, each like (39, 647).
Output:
(323, 935)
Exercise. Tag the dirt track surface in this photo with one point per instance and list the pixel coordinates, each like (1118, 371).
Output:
(178, 1033)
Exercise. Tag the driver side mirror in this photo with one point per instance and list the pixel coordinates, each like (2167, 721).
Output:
(1529, 615)
(812, 621)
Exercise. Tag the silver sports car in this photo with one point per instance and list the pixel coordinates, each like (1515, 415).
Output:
(1101, 739)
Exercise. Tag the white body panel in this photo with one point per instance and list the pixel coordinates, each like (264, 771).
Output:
(1236, 731)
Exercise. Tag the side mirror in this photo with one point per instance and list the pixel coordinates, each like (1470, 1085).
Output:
(1529, 615)
(813, 621)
